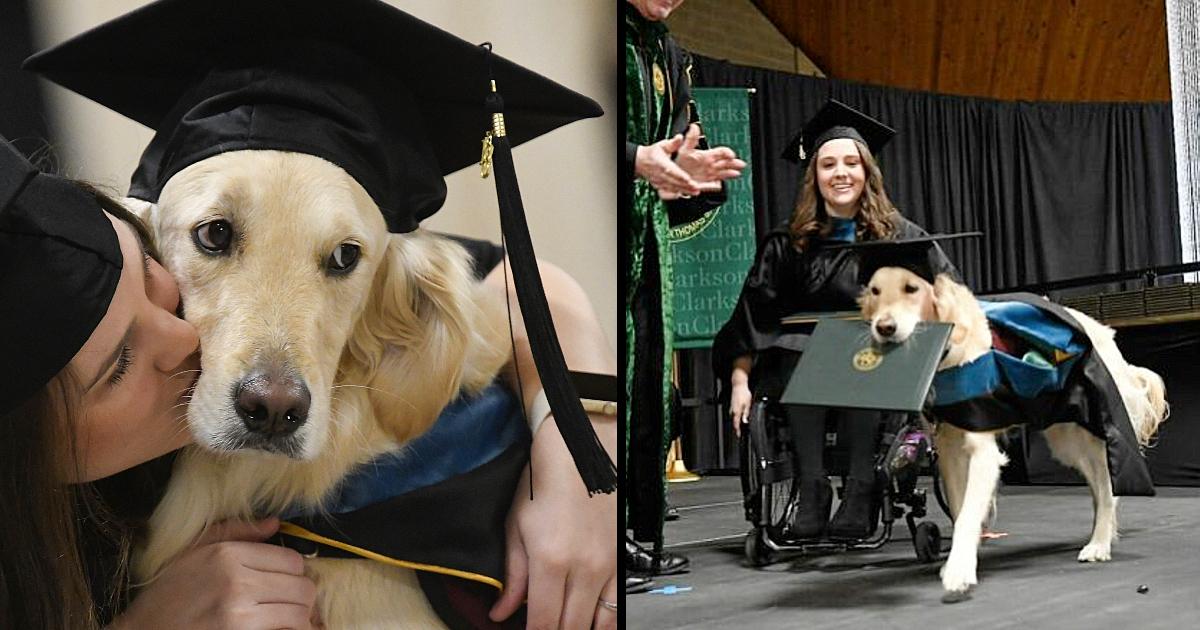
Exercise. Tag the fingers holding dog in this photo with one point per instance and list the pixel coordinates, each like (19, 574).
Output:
(547, 578)
(248, 531)
(516, 570)
(606, 611)
(583, 594)
(243, 584)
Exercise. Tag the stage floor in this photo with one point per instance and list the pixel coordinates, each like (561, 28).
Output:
(1028, 580)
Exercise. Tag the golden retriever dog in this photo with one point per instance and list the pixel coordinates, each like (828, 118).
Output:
(895, 301)
(326, 341)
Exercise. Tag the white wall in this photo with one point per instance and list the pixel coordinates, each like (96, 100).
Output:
(568, 177)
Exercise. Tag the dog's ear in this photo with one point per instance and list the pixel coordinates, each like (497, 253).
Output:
(956, 304)
(144, 210)
(141, 208)
(866, 303)
(424, 333)
(945, 297)
(946, 294)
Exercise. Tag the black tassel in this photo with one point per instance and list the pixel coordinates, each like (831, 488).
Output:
(598, 472)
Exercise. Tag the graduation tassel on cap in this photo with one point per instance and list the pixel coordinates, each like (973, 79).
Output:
(595, 468)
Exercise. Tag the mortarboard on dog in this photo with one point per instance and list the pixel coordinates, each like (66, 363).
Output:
(393, 100)
(60, 262)
(837, 120)
(921, 255)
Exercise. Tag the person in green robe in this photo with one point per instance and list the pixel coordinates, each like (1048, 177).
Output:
(670, 177)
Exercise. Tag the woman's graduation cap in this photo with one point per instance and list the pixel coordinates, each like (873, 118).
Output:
(60, 262)
(393, 100)
(921, 255)
(837, 120)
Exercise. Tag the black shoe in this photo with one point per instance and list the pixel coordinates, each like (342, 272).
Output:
(639, 560)
(858, 514)
(811, 513)
(672, 514)
(635, 583)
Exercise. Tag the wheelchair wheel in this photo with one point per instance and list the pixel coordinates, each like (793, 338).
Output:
(768, 482)
(927, 540)
(757, 553)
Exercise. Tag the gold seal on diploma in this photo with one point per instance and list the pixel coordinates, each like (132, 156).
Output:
(660, 82)
(867, 359)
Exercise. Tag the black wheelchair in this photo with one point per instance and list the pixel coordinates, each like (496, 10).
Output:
(769, 486)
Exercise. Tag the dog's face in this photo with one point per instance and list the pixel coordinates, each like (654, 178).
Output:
(275, 254)
(894, 302)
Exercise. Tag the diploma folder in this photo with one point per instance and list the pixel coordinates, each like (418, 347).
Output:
(843, 367)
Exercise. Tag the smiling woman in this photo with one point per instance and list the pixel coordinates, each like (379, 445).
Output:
(802, 267)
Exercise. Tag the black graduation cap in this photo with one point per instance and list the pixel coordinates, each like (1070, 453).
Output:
(60, 262)
(921, 255)
(837, 120)
(393, 100)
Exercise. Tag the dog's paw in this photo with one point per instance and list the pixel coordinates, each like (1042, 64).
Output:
(1095, 552)
(957, 579)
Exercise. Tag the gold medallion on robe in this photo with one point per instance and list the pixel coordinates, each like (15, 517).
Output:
(660, 81)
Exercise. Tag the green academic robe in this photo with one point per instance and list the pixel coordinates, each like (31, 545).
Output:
(658, 106)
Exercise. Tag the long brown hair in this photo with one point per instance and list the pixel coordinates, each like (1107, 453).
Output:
(876, 218)
(42, 584)
(50, 577)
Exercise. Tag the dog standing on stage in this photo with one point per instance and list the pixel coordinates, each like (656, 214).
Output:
(895, 301)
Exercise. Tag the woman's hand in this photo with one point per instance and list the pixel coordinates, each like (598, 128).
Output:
(561, 548)
(229, 579)
(562, 544)
(740, 400)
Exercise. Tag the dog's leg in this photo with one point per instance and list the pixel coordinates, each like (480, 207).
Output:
(1074, 446)
(952, 464)
(984, 460)
(186, 509)
(368, 595)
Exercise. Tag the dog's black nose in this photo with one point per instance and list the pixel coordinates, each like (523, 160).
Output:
(885, 328)
(272, 405)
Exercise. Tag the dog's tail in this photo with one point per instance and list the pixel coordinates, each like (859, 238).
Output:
(1152, 408)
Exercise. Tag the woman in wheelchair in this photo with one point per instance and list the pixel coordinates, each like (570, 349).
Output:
(842, 200)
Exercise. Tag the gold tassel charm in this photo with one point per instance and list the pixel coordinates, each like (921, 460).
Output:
(485, 160)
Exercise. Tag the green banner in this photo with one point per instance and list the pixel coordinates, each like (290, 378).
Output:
(712, 254)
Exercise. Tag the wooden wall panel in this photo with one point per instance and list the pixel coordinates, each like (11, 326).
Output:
(1064, 50)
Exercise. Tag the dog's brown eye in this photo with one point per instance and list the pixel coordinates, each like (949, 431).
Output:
(874, 290)
(214, 237)
(910, 288)
(344, 258)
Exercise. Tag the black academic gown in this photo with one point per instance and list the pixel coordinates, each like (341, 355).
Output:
(781, 282)
(1089, 398)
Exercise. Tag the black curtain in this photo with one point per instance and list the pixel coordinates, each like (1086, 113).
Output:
(1169, 350)
(1060, 190)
